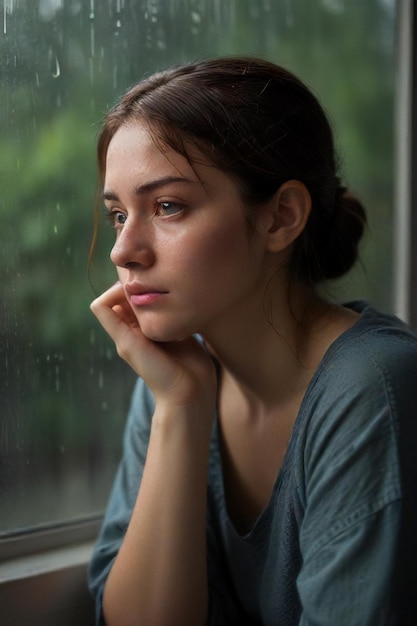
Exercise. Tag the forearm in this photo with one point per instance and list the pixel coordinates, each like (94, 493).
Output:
(159, 576)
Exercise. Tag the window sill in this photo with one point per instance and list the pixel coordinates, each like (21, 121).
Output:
(40, 564)
(49, 587)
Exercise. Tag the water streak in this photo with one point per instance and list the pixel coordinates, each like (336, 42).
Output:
(57, 72)
(92, 29)
(8, 7)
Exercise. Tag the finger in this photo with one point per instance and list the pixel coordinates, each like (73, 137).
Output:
(114, 312)
(125, 313)
(112, 296)
(117, 318)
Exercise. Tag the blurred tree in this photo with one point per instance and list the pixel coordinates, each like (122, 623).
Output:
(62, 64)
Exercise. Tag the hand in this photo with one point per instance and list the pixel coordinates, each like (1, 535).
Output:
(178, 373)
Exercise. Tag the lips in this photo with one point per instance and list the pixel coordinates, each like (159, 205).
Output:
(140, 294)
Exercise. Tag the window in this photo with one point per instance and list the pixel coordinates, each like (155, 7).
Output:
(64, 391)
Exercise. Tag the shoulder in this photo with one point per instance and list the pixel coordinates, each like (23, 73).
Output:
(382, 339)
(376, 359)
(362, 402)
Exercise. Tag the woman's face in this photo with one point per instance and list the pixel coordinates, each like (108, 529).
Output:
(184, 253)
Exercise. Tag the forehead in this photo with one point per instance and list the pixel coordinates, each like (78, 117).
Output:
(135, 140)
(134, 153)
(134, 150)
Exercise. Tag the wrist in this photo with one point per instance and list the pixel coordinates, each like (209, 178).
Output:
(189, 420)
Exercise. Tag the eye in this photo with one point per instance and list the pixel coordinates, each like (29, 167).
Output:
(167, 208)
(114, 217)
(119, 218)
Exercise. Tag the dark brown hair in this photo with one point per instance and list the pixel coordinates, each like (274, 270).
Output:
(261, 125)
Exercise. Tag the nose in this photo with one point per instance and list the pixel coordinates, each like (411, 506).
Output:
(133, 246)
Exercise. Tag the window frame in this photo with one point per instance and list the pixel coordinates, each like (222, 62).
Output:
(405, 194)
(23, 552)
(30, 541)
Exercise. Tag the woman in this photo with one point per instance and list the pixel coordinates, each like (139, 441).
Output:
(268, 467)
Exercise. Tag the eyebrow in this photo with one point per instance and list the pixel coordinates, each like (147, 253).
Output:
(148, 187)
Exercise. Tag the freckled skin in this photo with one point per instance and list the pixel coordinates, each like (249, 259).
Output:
(187, 238)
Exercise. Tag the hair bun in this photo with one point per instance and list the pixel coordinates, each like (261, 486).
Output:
(345, 233)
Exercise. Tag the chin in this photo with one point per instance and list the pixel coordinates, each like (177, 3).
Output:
(164, 328)
(165, 335)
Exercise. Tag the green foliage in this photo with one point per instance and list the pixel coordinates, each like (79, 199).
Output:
(65, 394)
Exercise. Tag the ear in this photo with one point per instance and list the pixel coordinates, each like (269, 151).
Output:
(286, 215)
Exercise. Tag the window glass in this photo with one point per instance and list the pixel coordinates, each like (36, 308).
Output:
(64, 391)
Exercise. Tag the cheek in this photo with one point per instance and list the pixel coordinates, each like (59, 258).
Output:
(226, 239)
(221, 265)
(207, 254)
(227, 247)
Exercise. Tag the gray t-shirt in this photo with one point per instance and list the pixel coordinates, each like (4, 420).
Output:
(337, 543)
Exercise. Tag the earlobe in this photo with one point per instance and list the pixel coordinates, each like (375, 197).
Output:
(288, 213)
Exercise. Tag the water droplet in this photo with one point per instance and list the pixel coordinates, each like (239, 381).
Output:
(57, 72)
(195, 17)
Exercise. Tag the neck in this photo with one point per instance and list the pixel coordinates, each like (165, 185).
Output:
(269, 359)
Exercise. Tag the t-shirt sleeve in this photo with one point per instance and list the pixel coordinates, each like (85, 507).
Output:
(123, 494)
(350, 535)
